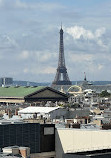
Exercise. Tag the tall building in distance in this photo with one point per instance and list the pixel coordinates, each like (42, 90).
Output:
(61, 77)
(6, 81)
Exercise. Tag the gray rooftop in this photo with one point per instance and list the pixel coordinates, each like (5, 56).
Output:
(97, 88)
(77, 113)
(2, 155)
(5, 122)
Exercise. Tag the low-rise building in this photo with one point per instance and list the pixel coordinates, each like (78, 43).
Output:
(17, 151)
(107, 113)
(89, 154)
(73, 141)
(40, 138)
(42, 112)
(20, 94)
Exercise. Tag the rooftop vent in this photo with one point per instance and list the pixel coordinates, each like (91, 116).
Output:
(6, 86)
(16, 86)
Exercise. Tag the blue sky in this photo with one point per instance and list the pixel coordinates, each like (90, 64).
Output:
(29, 38)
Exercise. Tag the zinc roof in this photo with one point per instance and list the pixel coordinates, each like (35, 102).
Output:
(18, 91)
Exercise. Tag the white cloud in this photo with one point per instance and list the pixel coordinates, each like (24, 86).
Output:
(7, 42)
(49, 70)
(81, 57)
(79, 32)
(99, 32)
(24, 55)
(40, 70)
(100, 66)
(25, 70)
(40, 62)
(44, 56)
(41, 57)
(19, 4)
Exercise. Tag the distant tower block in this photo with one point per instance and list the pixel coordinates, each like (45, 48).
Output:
(61, 77)
(85, 77)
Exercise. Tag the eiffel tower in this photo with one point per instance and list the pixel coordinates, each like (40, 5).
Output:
(61, 77)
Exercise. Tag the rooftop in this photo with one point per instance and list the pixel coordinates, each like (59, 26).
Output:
(18, 91)
(2, 155)
(90, 153)
(4, 122)
(34, 109)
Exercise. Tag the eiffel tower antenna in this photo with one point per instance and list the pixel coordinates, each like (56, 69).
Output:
(61, 77)
(61, 24)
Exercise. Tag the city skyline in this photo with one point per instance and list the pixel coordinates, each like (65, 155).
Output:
(29, 39)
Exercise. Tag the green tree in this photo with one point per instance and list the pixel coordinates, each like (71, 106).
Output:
(104, 94)
(75, 105)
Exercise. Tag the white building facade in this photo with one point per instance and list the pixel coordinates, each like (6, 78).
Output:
(42, 112)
